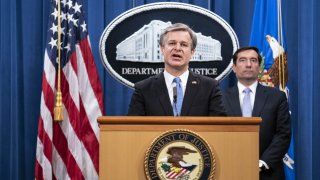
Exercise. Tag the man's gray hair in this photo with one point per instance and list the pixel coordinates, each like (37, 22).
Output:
(179, 27)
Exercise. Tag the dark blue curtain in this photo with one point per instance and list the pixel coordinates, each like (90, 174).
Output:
(23, 30)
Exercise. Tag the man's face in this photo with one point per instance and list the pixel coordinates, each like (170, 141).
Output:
(247, 67)
(176, 50)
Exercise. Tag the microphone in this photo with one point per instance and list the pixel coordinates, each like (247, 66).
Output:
(174, 90)
(175, 94)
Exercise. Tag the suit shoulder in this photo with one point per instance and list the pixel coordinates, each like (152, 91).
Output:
(275, 92)
(205, 79)
(230, 90)
(271, 89)
(146, 82)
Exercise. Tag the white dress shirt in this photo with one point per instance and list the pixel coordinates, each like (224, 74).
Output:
(170, 84)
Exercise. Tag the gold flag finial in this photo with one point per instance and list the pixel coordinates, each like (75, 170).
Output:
(58, 108)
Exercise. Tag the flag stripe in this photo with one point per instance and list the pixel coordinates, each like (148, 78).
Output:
(50, 72)
(90, 141)
(59, 168)
(92, 72)
(87, 93)
(70, 74)
(39, 170)
(44, 143)
(42, 161)
(61, 145)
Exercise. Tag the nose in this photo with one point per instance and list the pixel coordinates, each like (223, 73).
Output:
(177, 47)
(248, 63)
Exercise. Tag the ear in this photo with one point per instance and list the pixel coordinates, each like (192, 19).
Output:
(234, 68)
(161, 49)
(193, 51)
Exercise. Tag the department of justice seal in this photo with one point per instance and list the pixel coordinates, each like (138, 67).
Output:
(130, 49)
(181, 155)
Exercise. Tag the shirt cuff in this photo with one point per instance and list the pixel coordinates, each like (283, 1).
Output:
(262, 163)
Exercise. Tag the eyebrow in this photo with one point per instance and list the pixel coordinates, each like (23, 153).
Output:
(247, 58)
(177, 41)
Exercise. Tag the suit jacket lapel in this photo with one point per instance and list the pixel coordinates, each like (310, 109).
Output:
(233, 100)
(192, 87)
(260, 99)
(162, 94)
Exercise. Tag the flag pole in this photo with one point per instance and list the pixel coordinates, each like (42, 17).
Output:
(282, 81)
(58, 109)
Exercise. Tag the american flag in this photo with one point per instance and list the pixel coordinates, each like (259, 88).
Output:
(69, 149)
(180, 172)
(176, 175)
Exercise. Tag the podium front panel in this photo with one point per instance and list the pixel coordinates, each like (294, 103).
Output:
(123, 148)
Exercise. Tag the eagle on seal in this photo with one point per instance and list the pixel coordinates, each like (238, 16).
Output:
(279, 69)
(176, 155)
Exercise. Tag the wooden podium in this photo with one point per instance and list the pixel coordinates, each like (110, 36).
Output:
(124, 141)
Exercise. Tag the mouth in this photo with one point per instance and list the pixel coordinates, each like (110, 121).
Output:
(176, 56)
(248, 72)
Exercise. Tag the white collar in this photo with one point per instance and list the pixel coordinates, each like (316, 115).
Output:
(253, 87)
(169, 78)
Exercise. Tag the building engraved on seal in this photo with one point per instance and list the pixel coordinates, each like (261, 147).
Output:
(143, 45)
(179, 154)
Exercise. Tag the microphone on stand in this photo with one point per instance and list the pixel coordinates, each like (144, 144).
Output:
(174, 94)
(175, 111)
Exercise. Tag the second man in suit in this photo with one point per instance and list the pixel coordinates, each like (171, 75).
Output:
(249, 98)
(177, 91)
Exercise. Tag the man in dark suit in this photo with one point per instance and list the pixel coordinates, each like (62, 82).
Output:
(266, 102)
(177, 91)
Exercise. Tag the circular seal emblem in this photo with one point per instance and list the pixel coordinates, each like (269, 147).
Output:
(181, 155)
(130, 50)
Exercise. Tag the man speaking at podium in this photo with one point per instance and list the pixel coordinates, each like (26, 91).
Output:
(177, 91)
